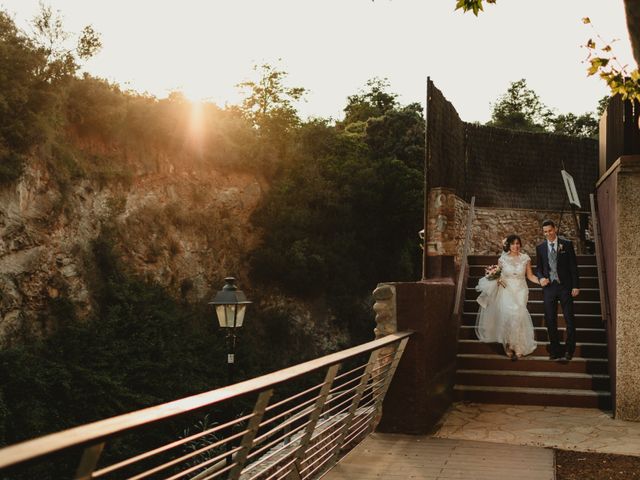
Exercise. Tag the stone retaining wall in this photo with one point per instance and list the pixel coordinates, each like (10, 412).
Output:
(448, 215)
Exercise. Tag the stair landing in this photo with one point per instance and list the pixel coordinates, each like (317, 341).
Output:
(402, 457)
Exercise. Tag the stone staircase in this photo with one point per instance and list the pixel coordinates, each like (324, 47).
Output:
(485, 374)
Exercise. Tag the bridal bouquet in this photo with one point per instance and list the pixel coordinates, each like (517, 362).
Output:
(493, 272)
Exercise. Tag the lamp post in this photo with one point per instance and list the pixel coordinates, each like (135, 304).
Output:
(230, 304)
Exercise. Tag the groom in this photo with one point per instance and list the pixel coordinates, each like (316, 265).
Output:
(557, 269)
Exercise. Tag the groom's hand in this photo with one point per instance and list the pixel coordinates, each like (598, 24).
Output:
(544, 282)
(575, 292)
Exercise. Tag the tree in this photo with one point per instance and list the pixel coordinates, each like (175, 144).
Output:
(371, 102)
(269, 103)
(269, 107)
(520, 109)
(585, 125)
(31, 72)
(49, 38)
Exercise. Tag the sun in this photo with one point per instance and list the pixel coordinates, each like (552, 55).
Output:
(197, 93)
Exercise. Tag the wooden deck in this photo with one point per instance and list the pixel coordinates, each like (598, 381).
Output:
(404, 457)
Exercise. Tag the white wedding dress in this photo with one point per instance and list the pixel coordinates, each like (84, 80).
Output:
(503, 315)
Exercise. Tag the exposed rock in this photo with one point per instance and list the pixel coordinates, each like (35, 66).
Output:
(185, 230)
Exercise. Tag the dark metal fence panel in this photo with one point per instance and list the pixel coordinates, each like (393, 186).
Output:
(619, 131)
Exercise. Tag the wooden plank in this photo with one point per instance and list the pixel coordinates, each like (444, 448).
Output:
(403, 456)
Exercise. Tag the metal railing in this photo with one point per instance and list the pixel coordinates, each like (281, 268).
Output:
(463, 260)
(602, 273)
(294, 423)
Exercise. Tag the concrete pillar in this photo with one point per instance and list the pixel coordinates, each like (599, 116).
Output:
(628, 289)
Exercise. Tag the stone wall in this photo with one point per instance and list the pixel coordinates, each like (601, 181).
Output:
(448, 215)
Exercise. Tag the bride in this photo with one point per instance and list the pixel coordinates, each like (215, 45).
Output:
(503, 315)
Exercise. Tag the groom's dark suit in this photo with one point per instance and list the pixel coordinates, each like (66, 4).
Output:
(567, 269)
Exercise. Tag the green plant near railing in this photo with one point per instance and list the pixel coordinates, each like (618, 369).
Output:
(199, 443)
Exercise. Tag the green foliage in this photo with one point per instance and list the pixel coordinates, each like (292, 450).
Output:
(585, 125)
(269, 103)
(269, 107)
(143, 127)
(602, 61)
(50, 38)
(520, 108)
(343, 217)
(371, 102)
(33, 71)
(141, 349)
(474, 5)
(25, 103)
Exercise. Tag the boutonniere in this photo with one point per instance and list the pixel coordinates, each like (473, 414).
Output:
(560, 247)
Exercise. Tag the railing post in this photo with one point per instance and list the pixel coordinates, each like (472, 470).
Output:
(294, 474)
(366, 375)
(387, 381)
(247, 440)
(88, 462)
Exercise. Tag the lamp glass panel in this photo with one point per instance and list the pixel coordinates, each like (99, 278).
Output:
(240, 315)
(226, 315)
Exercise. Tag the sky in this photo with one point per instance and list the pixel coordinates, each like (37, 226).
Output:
(332, 47)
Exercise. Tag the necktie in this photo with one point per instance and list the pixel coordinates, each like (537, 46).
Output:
(553, 263)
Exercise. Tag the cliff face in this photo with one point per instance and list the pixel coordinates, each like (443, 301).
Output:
(185, 228)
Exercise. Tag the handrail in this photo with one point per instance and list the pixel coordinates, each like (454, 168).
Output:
(463, 261)
(93, 436)
(602, 271)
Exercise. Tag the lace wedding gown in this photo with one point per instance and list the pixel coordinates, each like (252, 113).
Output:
(503, 315)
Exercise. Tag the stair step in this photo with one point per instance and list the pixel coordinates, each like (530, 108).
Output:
(486, 374)
(476, 270)
(535, 293)
(537, 306)
(585, 281)
(583, 335)
(509, 378)
(584, 350)
(534, 396)
(582, 320)
(540, 363)
(493, 259)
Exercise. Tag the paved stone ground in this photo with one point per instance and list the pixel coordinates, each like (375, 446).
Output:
(396, 457)
(578, 429)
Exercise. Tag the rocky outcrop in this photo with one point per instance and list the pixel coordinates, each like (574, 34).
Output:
(185, 230)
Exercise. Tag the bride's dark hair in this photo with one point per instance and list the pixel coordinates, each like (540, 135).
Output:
(509, 241)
